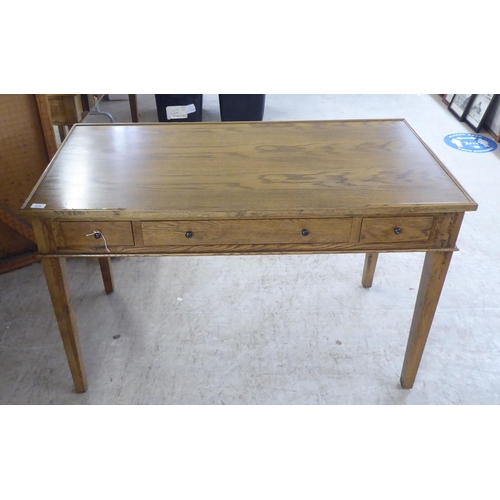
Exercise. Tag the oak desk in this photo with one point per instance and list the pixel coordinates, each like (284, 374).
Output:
(246, 188)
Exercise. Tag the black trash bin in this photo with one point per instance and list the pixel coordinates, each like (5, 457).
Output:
(242, 107)
(179, 107)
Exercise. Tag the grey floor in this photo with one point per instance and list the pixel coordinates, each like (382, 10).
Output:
(277, 329)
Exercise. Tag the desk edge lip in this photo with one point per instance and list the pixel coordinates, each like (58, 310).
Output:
(118, 214)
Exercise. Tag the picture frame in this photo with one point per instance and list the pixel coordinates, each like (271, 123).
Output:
(478, 109)
(460, 104)
(446, 98)
(492, 121)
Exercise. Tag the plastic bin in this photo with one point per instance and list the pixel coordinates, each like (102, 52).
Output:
(242, 107)
(179, 107)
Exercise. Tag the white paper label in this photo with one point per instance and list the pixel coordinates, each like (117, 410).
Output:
(38, 205)
(176, 112)
(179, 112)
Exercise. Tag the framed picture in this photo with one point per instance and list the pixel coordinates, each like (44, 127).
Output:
(492, 121)
(459, 105)
(478, 109)
(446, 98)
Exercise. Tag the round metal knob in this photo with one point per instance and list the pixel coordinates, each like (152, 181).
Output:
(397, 230)
(97, 235)
(305, 232)
(189, 234)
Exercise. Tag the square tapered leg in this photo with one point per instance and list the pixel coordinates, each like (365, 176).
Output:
(434, 272)
(56, 275)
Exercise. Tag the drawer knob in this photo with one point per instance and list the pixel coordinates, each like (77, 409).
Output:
(189, 234)
(305, 232)
(97, 235)
(397, 230)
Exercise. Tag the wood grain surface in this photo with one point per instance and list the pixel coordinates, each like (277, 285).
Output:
(254, 170)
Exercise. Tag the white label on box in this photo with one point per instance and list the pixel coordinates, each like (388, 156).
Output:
(180, 112)
(176, 112)
(38, 205)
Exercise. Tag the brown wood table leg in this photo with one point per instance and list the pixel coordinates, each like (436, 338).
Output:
(436, 266)
(369, 269)
(58, 283)
(107, 273)
(133, 107)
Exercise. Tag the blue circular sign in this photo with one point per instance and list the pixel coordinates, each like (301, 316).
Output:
(471, 143)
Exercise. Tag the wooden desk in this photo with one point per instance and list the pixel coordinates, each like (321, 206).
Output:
(246, 188)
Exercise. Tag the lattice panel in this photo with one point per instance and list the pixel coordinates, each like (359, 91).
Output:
(23, 155)
(23, 158)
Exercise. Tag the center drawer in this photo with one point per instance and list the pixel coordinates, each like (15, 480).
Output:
(241, 232)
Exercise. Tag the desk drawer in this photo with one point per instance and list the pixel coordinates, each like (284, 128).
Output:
(74, 235)
(395, 229)
(243, 232)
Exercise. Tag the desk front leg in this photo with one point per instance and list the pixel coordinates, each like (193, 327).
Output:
(434, 272)
(56, 274)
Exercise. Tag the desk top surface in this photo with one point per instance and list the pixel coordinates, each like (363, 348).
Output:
(245, 169)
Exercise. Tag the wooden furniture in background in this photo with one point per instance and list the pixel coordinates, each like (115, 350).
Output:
(366, 186)
(27, 144)
(68, 109)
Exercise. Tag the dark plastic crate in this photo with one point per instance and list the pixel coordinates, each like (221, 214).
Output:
(176, 102)
(242, 107)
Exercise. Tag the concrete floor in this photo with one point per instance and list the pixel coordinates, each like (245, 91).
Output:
(277, 329)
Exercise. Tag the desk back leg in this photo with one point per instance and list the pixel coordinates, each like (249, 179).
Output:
(133, 107)
(434, 272)
(107, 273)
(369, 269)
(56, 276)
